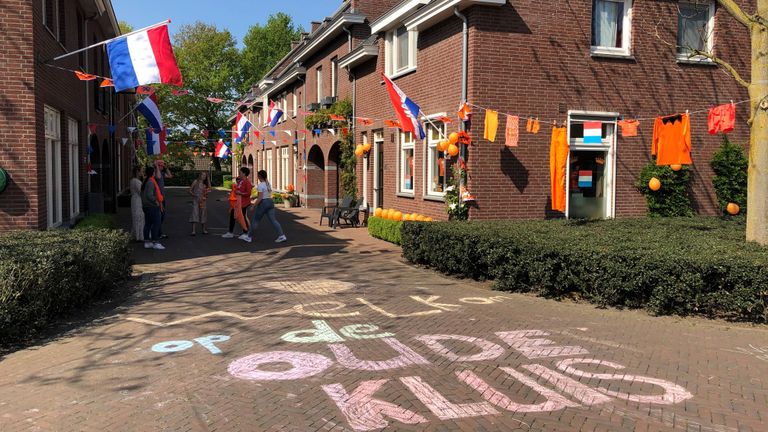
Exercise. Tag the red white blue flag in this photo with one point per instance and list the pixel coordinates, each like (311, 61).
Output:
(275, 114)
(407, 111)
(222, 150)
(242, 126)
(151, 111)
(143, 58)
(156, 141)
(593, 133)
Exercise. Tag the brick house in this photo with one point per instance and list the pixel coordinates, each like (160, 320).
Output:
(573, 61)
(45, 113)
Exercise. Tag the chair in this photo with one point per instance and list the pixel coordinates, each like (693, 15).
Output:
(350, 214)
(329, 212)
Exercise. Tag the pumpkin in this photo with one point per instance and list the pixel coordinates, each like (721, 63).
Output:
(453, 150)
(385, 213)
(397, 216)
(378, 212)
(676, 167)
(429, 219)
(733, 209)
(654, 184)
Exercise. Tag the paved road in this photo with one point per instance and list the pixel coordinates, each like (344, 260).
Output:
(331, 331)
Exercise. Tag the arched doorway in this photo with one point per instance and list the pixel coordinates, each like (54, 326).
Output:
(315, 189)
(252, 168)
(333, 175)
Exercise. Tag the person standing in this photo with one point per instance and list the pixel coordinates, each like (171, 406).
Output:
(243, 195)
(152, 202)
(265, 206)
(199, 190)
(137, 210)
(161, 173)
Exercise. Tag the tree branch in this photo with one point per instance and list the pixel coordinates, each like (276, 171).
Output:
(740, 15)
(725, 65)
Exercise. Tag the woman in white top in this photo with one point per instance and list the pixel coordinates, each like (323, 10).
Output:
(137, 211)
(264, 207)
(199, 190)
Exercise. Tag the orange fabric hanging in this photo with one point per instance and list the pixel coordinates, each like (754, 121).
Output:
(558, 158)
(629, 128)
(491, 125)
(672, 140)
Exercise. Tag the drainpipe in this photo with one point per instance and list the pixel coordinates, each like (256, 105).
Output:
(305, 203)
(464, 84)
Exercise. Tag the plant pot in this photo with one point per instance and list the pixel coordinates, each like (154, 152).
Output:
(287, 204)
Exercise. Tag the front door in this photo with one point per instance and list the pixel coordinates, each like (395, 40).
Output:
(378, 182)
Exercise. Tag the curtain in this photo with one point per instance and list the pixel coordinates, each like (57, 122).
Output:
(607, 15)
(693, 28)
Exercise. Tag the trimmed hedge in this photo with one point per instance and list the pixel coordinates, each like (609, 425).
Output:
(699, 266)
(44, 275)
(104, 221)
(385, 229)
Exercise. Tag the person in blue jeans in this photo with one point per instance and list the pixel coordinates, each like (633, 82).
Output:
(264, 207)
(152, 204)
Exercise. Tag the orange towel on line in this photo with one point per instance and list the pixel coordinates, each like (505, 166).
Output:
(672, 140)
(491, 125)
(558, 158)
(512, 133)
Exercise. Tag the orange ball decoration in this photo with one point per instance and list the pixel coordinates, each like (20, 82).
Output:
(398, 216)
(654, 184)
(453, 150)
(385, 213)
(359, 151)
(378, 212)
(453, 138)
(429, 219)
(443, 146)
(733, 209)
(676, 167)
(367, 147)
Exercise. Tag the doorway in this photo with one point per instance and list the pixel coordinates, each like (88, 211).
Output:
(378, 170)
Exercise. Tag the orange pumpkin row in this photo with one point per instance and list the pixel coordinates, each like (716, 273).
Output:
(395, 215)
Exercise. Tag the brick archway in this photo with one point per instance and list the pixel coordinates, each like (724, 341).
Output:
(333, 175)
(315, 190)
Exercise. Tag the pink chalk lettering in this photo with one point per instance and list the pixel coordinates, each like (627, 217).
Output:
(303, 365)
(554, 400)
(534, 348)
(440, 406)
(490, 351)
(407, 357)
(364, 412)
(579, 391)
(673, 393)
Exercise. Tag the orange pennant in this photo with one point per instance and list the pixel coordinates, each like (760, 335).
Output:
(392, 123)
(107, 83)
(82, 76)
(464, 112)
(444, 119)
(335, 117)
(365, 121)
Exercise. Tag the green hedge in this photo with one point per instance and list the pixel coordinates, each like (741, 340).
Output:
(104, 221)
(44, 275)
(385, 229)
(699, 266)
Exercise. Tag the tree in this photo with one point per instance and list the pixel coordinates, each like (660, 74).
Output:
(266, 45)
(124, 27)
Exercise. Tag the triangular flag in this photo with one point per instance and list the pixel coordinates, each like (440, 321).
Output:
(92, 128)
(272, 133)
(332, 131)
(365, 121)
(179, 92)
(274, 142)
(131, 129)
(317, 131)
(144, 90)
(345, 131)
(289, 133)
(222, 133)
(125, 141)
(444, 119)
(263, 142)
(392, 123)
(112, 128)
(464, 112)
(335, 117)
(215, 100)
(107, 83)
(82, 76)
(257, 134)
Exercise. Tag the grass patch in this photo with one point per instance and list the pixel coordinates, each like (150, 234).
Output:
(101, 221)
(685, 266)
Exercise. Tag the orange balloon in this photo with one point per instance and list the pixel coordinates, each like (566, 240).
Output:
(367, 147)
(676, 167)
(359, 151)
(453, 138)
(442, 146)
(733, 209)
(378, 212)
(654, 184)
(453, 150)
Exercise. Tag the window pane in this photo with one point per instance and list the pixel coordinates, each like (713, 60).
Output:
(401, 37)
(693, 27)
(607, 23)
(408, 170)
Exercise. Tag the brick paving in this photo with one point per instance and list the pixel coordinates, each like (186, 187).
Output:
(212, 340)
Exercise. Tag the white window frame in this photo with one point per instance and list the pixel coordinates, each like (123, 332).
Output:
(609, 145)
(683, 57)
(319, 78)
(53, 166)
(74, 168)
(269, 169)
(431, 154)
(406, 145)
(284, 118)
(378, 142)
(284, 166)
(334, 77)
(295, 104)
(391, 53)
(626, 41)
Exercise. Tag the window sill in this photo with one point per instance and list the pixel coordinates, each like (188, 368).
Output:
(695, 61)
(402, 73)
(409, 195)
(435, 198)
(621, 55)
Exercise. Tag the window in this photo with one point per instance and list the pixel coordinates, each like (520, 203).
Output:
(53, 165)
(269, 165)
(401, 51)
(319, 85)
(611, 27)
(295, 104)
(334, 76)
(50, 14)
(74, 168)
(284, 168)
(695, 27)
(437, 165)
(61, 29)
(285, 109)
(407, 146)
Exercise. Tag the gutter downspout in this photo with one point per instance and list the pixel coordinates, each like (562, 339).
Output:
(305, 204)
(464, 84)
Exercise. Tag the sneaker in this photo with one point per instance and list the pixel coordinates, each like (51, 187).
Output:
(281, 239)
(228, 235)
(245, 238)
(158, 246)
(148, 245)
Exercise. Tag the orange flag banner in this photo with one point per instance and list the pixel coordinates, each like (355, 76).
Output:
(82, 76)
(107, 83)
(392, 123)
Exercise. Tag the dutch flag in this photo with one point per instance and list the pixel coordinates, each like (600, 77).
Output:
(156, 141)
(593, 133)
(151, 111)
(407, 111)
(222, 150)
(143, 58)
(275, 114)
(242, 126)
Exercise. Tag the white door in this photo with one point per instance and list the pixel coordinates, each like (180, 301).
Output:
(53, 166)
(74, 169)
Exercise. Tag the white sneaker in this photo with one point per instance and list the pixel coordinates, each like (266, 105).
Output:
(158, 246)
(281, 239)
(228, 235)
(148, 245)
(245, 238)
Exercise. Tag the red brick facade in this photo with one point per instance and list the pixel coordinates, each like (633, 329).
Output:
(30, 37)
(530, 61)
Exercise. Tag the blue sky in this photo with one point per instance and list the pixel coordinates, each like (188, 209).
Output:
(236, 16)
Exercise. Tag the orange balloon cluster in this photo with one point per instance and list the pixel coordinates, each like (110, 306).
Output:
(362, 149)
(395, 215)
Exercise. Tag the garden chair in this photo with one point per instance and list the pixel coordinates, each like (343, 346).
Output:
(350, 214)
(329, 212)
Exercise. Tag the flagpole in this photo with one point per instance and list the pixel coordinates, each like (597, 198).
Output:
(166, 22)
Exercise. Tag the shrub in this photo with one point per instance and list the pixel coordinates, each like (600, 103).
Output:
(667, 266)
(228, 184)
(385, 229)
(104, 221)
(44, 275)
(277, 198)
(673, 199)
(730, 166)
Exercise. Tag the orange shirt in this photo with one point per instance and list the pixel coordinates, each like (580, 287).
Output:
(672, 140)
(628, 128)
(558, 158)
